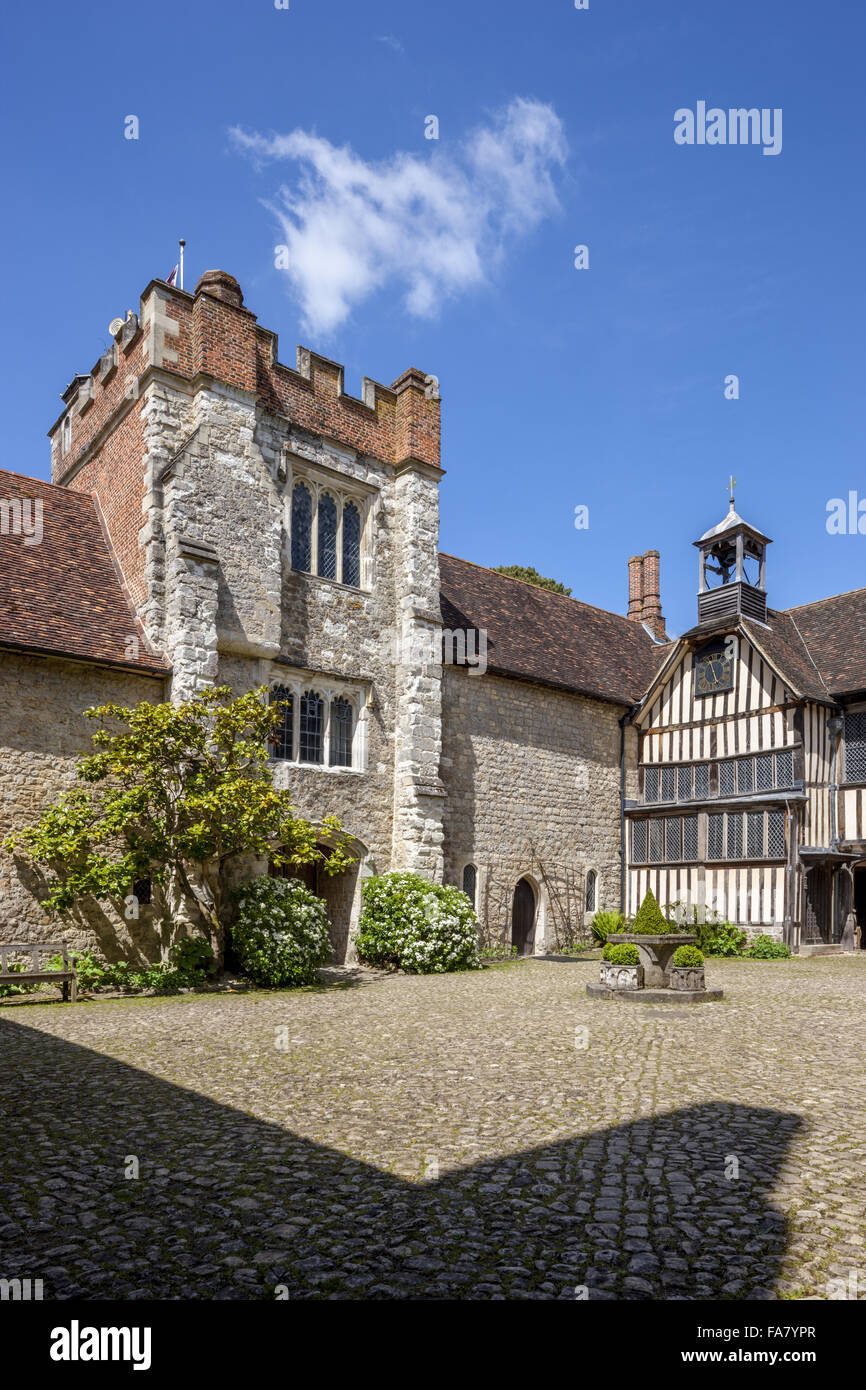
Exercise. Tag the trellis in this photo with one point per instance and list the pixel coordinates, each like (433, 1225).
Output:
(564, 889)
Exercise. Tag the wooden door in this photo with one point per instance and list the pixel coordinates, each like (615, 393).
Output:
(523, 918)
(819, 901)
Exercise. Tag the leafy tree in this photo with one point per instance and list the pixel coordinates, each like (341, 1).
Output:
(531, 576)
(175, 793)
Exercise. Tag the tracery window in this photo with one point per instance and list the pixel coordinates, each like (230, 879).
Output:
(341, 733)
(326, 532)
(312, 719)
(591, 885)
(284, 732)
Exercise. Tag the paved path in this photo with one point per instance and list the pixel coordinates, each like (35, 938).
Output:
(444, 1136)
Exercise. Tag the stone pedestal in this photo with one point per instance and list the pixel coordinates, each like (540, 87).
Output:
(655, 953)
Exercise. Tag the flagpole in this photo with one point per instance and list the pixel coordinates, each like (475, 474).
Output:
(182, 245)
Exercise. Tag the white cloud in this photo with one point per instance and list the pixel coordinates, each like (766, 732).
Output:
(431, 226)
(392, 41)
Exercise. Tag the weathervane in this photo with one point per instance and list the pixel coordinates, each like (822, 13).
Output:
(731, 484)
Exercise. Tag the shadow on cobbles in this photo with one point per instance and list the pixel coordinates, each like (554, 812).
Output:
(227, 1206)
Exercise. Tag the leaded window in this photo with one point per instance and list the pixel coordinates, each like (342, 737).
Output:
(726, 779)
(755, 835)
(312, 719)
(283, 735)
(776, 835)
(672, 839)
(327, 537)
(764, 772)
(651, 784)
(656, 842)
(702, 781)
(735, 837)
(341, 733)
(591, 882)
(351, 545)
(745, 776)
(638, 841)
(684, 784)
(690, 837)
(785, 769)
(855, 747)
(302, 528)
(470, 879)
(668, 783)
(715, 836)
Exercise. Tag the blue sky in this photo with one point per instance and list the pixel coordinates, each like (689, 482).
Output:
(601, 387)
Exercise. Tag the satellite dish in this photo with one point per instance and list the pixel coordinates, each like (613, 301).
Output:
(115, 326)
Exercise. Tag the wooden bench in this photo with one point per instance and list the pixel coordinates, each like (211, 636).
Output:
(66, 977)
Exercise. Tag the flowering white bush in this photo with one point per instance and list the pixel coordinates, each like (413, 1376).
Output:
(281, 933)
(420, 926)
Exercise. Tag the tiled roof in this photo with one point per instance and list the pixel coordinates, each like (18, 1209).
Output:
(537, 635)
(65, 595)
(834, 630)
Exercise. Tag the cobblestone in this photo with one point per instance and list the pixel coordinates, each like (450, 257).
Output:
(440, 1137)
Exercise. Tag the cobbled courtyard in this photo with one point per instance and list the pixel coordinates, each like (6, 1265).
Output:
(438, 1137)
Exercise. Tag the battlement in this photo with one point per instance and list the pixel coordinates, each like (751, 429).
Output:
(210, 336)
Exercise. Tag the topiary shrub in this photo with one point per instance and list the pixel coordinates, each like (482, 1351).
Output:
(281, 935)
(687, 955)
(765, 948)
(623, 953)
(605, 924)
(422, 927)
(649, 920)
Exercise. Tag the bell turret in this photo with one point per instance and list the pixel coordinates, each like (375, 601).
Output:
(732, 570)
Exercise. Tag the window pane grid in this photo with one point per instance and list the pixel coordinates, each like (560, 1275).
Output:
(312, 707)
(327, 537)
(638, 841)
(684, 784)
(735, 837)
(351, 545)
(672, 839)
(715, 836)
(284, 732)
(726, 779)
(776, 835)
(784, 769)
(341, 733)
(656, 842)
(855, 747)
(745, 776)
(668, 783)
(690, 837)
(764, 772)
(702, 781)
(755, 835)
(651, 784)
(302, 528)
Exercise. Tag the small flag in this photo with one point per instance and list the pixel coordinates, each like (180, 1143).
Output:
(170, 279)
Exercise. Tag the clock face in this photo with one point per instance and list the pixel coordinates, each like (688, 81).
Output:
(714, 672)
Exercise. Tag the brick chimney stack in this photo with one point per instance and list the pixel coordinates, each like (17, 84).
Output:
(635, 588)
(644, 598)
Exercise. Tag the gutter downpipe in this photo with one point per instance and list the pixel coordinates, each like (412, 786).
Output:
(622, 723)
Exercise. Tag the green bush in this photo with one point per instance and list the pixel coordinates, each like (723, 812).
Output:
(281, 933)
(649, 920)
(421, 927)
(189, 961)
(6, 991)
(605, 924)
(624, 953)
(723, 940)
(765, 948)
(687, 955)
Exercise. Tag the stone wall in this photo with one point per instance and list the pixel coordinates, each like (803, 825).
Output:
(532, 783)
(42, 732)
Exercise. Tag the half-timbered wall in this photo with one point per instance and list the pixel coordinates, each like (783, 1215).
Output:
(734, 766)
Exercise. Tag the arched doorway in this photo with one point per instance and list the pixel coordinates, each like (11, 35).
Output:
(337, 891)
(523, 918)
